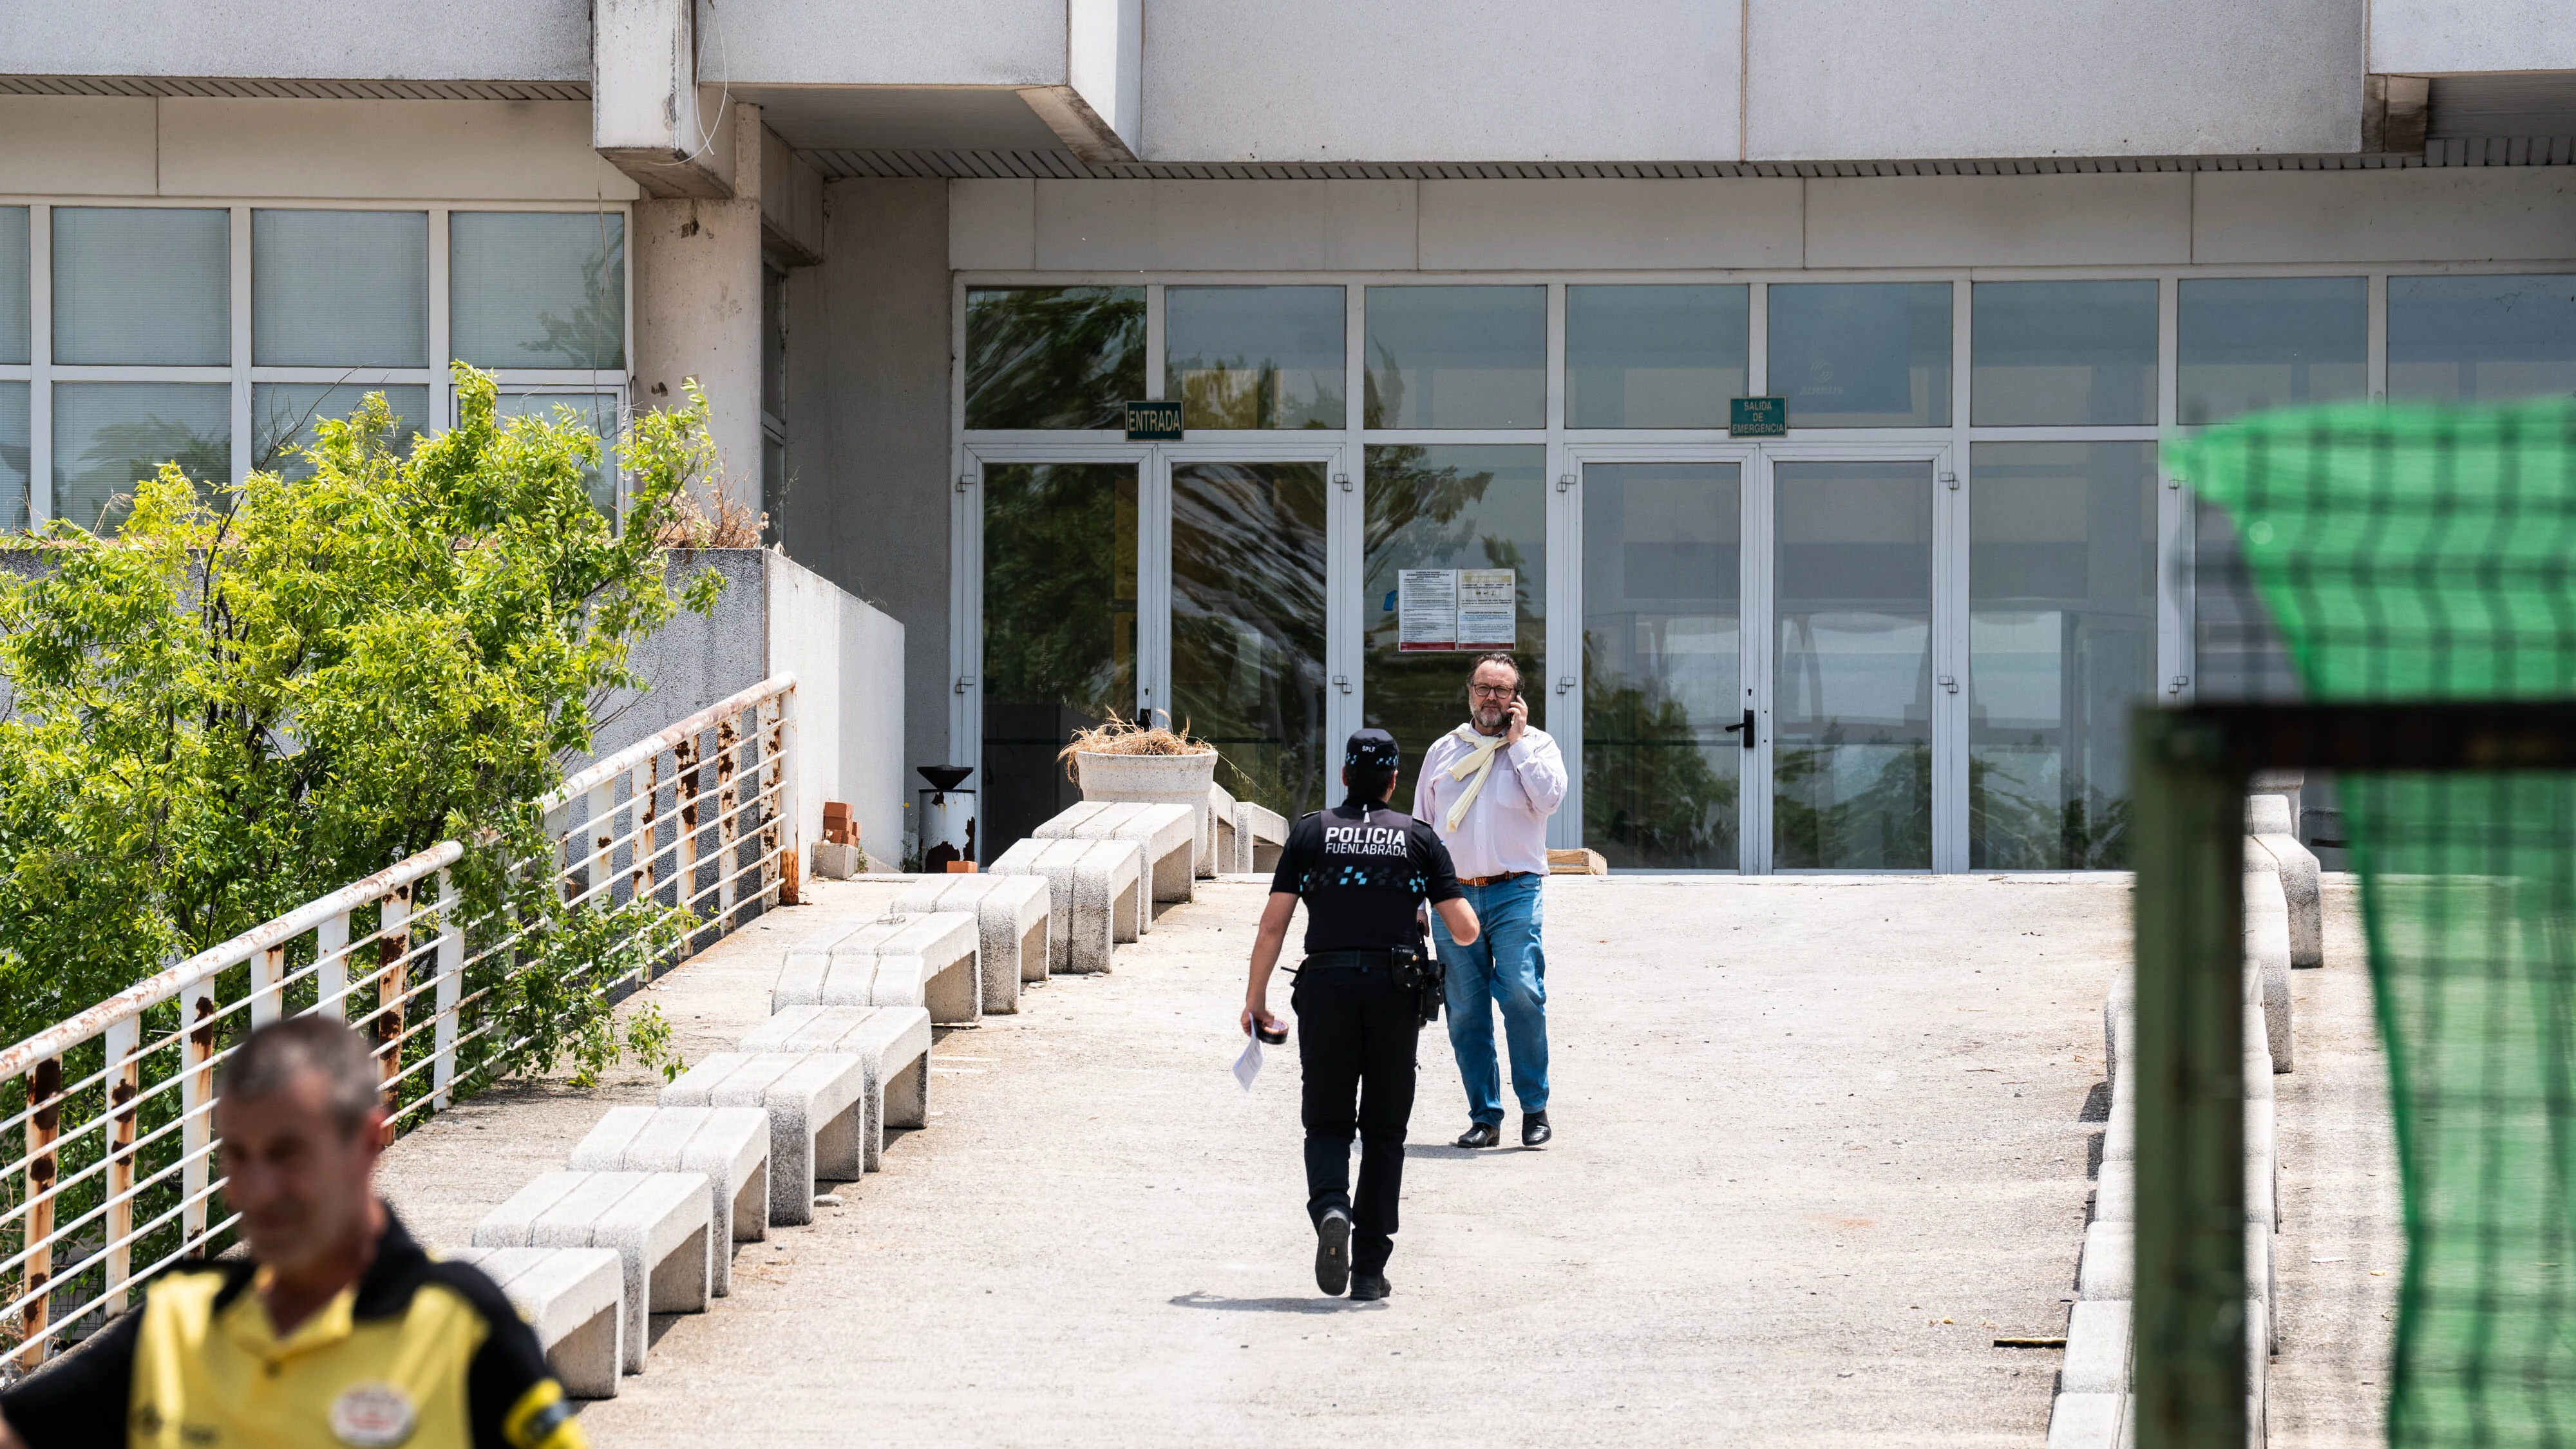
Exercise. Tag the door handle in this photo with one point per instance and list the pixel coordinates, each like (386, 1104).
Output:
(1746, 726)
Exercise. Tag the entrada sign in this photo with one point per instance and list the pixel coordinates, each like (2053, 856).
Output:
(1756, 417)
(1157, 421)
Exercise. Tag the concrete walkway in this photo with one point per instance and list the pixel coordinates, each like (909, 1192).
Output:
(1819, 1144)
(2343, 1243)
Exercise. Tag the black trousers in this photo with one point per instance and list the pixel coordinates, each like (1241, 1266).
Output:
(1355, 1041)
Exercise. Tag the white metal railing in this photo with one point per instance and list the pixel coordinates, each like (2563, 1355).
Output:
(109, 1155)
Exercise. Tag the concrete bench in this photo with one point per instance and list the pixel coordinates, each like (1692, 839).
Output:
(817, 1106)
(1012, 911)
(1264, 833)
(900, 960)
(1167, 834)
(2267, 951)
(575, 1298)
(657, 1223)
(1095, 896)
(2268, 820)
(1221, 837)
(728, 1145)
(892, 1044)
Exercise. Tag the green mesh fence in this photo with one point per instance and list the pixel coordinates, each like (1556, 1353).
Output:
(2427, 554)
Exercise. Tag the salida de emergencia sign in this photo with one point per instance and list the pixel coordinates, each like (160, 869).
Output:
(1443, 610)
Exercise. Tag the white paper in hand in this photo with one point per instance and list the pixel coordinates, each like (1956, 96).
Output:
(1248, 1065)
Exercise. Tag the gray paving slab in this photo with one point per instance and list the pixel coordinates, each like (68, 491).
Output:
(2342, 1245)
(1818, 1144)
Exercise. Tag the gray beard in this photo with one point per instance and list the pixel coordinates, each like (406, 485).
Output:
(1487, 722)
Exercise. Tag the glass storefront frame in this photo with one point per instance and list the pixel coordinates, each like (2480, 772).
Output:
(1555, 668)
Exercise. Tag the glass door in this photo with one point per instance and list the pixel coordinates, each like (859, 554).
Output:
(1247, 659)
(1664, 704)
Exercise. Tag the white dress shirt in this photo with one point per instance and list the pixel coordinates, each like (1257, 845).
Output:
(1506, 828)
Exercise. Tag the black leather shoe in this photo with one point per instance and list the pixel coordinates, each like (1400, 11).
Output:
(1333, 1252)
(1481, 1134)
(1534, 1129)
(1369, 1287)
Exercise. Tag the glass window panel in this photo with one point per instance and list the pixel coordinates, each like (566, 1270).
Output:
(1862, 354)
(1255, 357)
(1248, 626)
(773, 343)
(595, 411)
(14, 281)
(1662, 555)
(1059, 630)
(14, 459)
(1449, 507)
(283, 414)
(2061, 646)
(139, 286)
(537, 288)
(1457, 357)
(2250, 343)
(2237, 651)
(110, 435)
(1654, 357)
(2479, 339)
(2064, 353)
(339, 288)
(1053, 357)
(1852, 706)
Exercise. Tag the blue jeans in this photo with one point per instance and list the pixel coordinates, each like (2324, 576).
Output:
(1505, 968)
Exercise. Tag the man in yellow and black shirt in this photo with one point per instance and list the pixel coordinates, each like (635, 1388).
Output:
(337, 1330)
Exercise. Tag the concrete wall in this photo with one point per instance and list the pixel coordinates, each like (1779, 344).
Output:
(697, 309)
(318, 39)
(886, 42)
(868, 427)
(777, 615)
(2102, 219)
(2450, 37)
(188, 146)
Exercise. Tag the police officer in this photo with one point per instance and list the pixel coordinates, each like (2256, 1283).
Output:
(1363, 870)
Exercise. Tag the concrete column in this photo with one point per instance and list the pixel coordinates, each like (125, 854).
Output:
(697, 308)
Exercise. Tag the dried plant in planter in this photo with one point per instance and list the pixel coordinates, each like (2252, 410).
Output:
(1117, 736)
(690, 525)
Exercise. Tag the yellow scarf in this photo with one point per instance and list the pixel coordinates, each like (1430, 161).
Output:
(1478, 761)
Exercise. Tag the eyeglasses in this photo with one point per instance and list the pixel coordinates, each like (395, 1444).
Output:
(1493, 691)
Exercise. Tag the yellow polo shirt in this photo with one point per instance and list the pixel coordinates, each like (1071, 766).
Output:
(419, 1354)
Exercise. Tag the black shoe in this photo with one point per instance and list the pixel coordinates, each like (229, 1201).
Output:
(1534, 1129)
(1333, 1252)
(1369, 1287)
(1481, 1134)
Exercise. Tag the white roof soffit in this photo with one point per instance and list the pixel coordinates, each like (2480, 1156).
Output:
(331, 90)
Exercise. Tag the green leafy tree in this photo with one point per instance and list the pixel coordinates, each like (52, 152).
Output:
(256, 693)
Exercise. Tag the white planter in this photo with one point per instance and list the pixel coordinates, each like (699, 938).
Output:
(1155, 780)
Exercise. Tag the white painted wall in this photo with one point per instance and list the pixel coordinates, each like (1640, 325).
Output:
(1869, 80)
(848, 661)
(2101, 219)
(185, 146)
(1364, 80)
(884, 42)
(2453, 37)
(304, 39)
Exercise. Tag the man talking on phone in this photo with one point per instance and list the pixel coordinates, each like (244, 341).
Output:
(1487, 789)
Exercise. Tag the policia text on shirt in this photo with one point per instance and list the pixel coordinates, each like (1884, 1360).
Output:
(1364, 871)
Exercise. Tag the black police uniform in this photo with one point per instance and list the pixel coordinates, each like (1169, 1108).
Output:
(1361, 869)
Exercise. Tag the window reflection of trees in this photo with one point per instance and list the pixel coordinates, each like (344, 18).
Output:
(1059, 629)
(120, 455)
(1053, 357)
(1248, 625)
(594, 334)
(1424, 513)
(1657, 793)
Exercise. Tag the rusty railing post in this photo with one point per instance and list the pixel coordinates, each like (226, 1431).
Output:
(44, 1124)
(125, 1056)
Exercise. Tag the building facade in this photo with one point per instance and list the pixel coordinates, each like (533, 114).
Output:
(1470, 311)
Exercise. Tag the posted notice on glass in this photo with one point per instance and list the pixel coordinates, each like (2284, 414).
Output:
(1443, 610)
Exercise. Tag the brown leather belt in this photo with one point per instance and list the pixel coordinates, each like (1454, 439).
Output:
(1486, 880)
